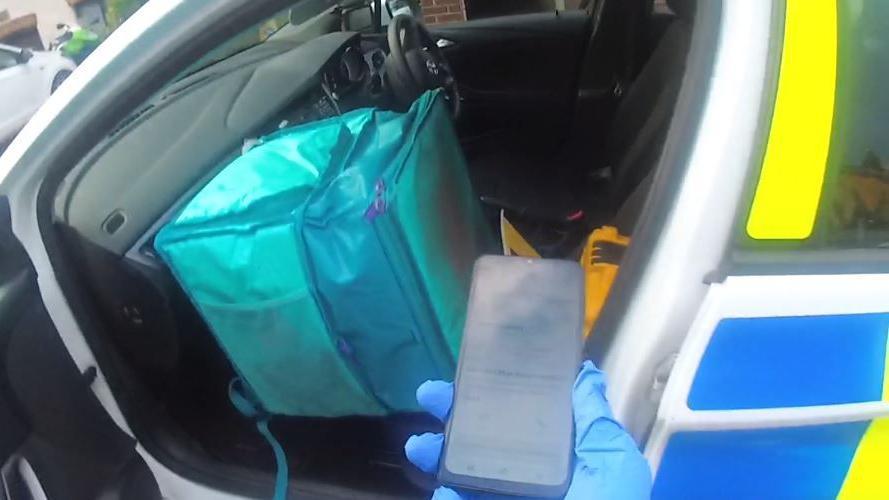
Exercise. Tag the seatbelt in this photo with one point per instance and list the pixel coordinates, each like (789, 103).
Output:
(250, 408)
(513, 241)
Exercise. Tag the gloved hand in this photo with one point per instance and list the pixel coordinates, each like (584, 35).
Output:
(607, 463)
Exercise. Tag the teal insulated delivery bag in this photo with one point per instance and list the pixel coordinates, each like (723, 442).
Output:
(332, 261)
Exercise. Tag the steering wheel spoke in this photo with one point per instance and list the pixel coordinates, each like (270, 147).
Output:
(417, 63)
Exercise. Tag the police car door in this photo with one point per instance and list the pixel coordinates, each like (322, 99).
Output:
(779, 389)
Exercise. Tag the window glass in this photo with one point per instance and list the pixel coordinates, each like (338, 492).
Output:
(855, 205)
(257, 34)
(853, 209)
(7, 59)
(447, 11)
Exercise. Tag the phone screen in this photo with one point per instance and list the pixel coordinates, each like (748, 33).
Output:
(512, 418)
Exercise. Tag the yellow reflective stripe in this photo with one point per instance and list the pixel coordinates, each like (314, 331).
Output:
(786, 198)
(868, 475)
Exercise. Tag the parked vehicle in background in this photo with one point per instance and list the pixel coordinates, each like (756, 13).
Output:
(65, 34)
(75, 42)
(27, 78)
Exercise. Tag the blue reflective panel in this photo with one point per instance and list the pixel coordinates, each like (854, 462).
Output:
(792, 361)
(800, 462)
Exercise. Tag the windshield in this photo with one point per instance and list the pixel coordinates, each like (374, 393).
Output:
(295, 16)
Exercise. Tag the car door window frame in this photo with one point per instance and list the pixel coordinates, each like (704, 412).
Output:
(778, 281)
(816, 254)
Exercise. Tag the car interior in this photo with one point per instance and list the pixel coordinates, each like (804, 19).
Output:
(561, 116)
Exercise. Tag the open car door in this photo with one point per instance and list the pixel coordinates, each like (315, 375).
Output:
(56, 440)
(778, 392)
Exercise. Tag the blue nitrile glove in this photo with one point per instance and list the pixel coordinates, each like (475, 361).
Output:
(607, 463)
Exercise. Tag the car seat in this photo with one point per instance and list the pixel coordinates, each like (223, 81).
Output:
(552, 192)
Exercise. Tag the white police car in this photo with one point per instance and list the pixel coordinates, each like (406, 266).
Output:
(740, 144)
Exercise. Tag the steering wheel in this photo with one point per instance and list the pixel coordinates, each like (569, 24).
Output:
(416, 64)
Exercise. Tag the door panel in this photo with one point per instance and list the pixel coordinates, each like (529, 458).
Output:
(54, 433)
(517, 74)
(782, 379)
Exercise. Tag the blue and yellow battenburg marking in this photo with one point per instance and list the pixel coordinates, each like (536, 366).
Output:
(784, 362)
(781, 362)
(772, 363)
(868, 475)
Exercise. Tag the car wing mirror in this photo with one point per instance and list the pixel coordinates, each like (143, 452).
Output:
(25, 55)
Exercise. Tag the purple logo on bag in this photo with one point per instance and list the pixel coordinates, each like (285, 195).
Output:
(344, 347)
(378, 206)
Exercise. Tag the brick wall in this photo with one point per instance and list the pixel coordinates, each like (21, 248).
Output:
(443, 11)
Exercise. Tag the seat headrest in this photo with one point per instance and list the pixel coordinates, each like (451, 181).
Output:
(684, 9)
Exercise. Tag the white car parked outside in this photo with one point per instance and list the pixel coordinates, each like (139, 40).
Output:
(27, 78)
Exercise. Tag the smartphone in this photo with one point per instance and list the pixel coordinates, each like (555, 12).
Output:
(511, 429)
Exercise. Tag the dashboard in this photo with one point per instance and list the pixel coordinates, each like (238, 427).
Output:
(353, 78)
(138, 177)
(360, 65)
